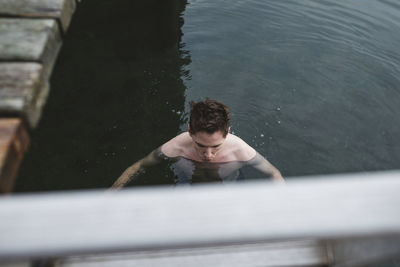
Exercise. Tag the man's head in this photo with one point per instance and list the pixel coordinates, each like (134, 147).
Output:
(208, 127)
(209, 116)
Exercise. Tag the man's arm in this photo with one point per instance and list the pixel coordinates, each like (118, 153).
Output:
(263, 165)
(131, 172)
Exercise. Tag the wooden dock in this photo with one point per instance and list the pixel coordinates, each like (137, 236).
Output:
(30, 38)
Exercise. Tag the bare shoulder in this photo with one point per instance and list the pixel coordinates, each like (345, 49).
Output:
(241, 150)
(175, 147)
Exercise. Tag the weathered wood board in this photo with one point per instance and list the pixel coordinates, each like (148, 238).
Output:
(30, 40)
(61, 10)
(14, 142)
(23, 90)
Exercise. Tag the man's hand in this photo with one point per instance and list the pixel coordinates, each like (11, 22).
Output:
(277, 176)
(129, 174)
(263, 165)
(126, 176)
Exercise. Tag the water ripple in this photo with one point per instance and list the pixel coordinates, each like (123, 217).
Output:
(317, 77)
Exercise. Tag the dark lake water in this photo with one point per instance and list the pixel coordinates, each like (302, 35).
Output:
(314, 86)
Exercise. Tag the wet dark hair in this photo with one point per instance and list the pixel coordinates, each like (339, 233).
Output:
(209, 116)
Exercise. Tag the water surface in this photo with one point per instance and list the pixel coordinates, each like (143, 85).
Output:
(312, 85)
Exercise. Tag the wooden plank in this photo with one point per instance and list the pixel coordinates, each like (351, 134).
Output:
(324, 208)
(23, 90)
(35, 40)
(288, 253)
(14, 141)
(61, 10)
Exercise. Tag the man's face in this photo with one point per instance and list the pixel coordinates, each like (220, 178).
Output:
(207, 145)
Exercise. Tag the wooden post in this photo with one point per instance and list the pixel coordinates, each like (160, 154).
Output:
(13, 144)
(30, 38)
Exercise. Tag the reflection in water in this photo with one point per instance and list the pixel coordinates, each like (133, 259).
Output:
(116, 94)
(190, 172)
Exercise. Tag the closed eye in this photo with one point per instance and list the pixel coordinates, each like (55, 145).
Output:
(203, 146)
(200, 145)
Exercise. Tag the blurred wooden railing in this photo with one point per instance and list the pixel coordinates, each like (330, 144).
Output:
(341, 220)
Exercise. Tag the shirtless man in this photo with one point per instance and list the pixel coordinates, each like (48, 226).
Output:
(206, 152)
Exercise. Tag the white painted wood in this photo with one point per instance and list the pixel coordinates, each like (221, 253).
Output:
(56, 224)
(289, 253)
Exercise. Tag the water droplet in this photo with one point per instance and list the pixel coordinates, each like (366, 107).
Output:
(278, 108)
(279, 122)
(261, 135)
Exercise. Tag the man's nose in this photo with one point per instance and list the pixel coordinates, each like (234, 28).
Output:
(208, 152)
